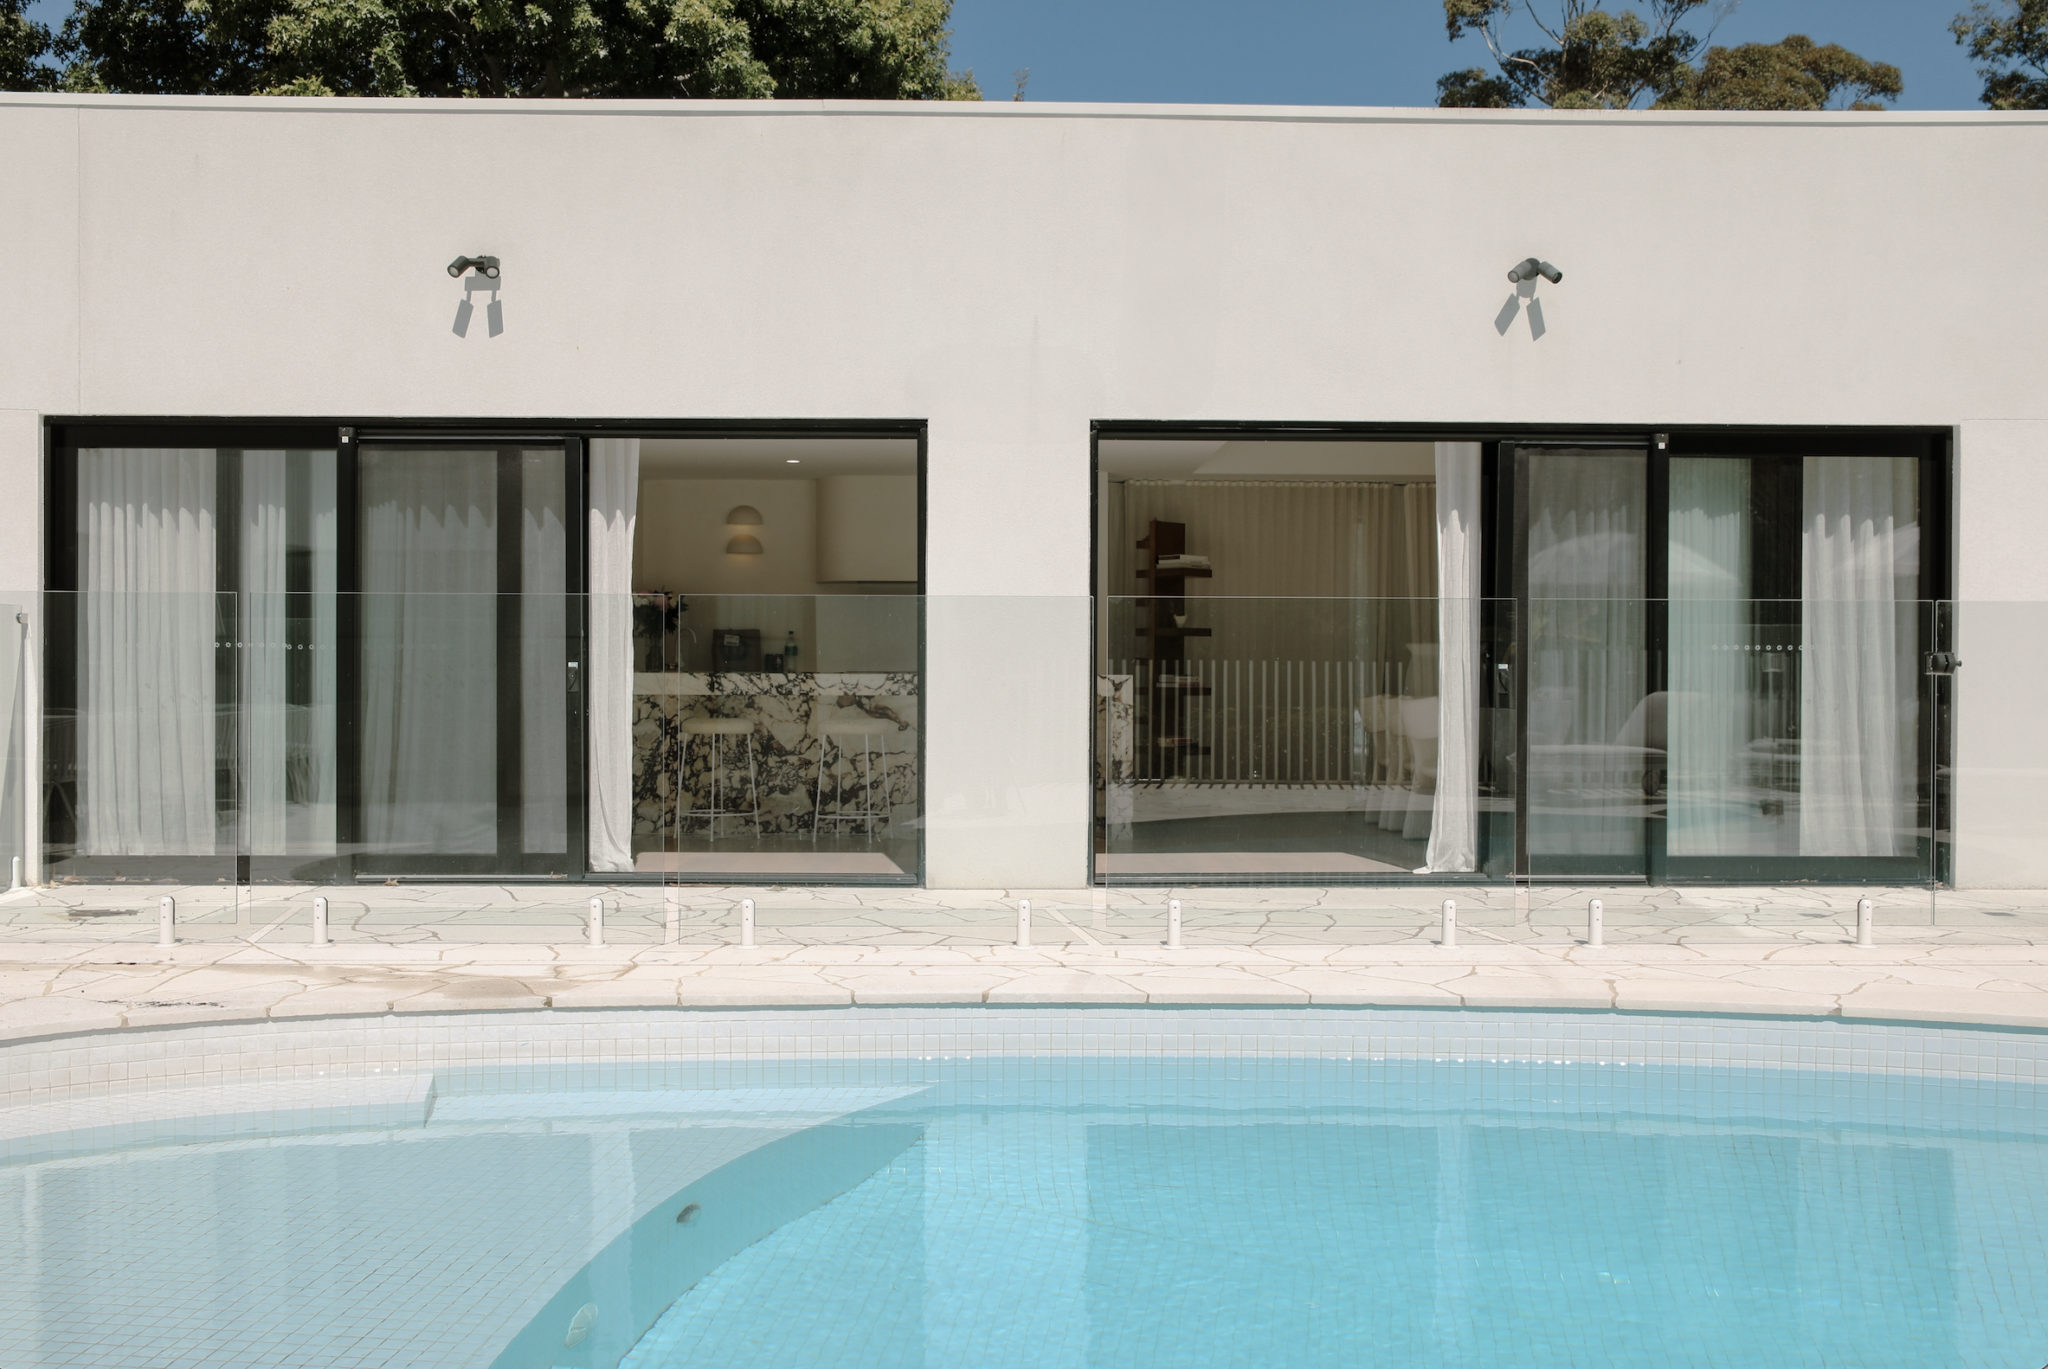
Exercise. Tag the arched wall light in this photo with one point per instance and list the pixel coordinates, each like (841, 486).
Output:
(746, 544)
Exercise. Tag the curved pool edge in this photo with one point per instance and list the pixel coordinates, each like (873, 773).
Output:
(1898, 1014)
(537, 1046)
(56, 990)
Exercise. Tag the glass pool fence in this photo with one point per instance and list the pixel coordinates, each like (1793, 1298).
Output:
(481, 766)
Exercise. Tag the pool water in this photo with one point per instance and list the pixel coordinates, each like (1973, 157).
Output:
(1253, 1213)
(1088, 1210)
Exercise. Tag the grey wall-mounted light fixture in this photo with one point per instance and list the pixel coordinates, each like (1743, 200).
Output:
(746, 544)
(484, 266)
(1532, 268)
(745, 516)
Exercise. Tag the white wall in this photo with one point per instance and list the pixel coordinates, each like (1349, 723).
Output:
(680, 536)
(867, 528)
(2001, 708)
(1010, 273)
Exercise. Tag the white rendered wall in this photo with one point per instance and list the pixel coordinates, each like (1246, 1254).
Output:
(2001, 712)
(1010, 273)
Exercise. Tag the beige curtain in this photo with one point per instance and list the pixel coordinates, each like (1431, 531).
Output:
(1304, 570)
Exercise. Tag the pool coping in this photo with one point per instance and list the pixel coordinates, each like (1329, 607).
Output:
(53, 990)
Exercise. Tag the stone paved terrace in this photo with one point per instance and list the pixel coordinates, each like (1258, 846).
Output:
(81, 958)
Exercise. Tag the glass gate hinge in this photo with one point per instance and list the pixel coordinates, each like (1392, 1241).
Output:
(1943, 663)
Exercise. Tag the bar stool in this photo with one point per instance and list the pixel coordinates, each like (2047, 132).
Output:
(873, 734)
(712, 729)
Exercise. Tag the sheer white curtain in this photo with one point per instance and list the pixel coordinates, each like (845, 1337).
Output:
(614, 499)
(1587, 668)
(1454, 824)
(429, 652)
(146, 721)
(1309, 542)
(543, 655)
(261, 611)
(310, 741)
(1858, 687)
(1707, 712)
(1291, 538)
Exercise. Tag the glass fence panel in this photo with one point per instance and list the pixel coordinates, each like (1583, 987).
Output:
(1277, 741)
(1593, 756)
(1801, 738)
(492, 758)
(141, 738)
(779, 740)
(1008, 697)
(15, 857)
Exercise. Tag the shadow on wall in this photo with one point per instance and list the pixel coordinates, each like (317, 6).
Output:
(1524, 290)
(494, 312)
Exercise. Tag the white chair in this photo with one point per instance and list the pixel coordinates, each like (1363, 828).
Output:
(873, 735)
(712, 729)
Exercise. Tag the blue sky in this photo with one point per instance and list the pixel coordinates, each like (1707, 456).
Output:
(1349, 52)
(1366, 52)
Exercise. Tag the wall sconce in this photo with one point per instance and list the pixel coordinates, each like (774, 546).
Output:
(483, 266)
(746, 544)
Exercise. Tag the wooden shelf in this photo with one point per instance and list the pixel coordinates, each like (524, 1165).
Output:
(1174, 631)
(1193, 572)
(1193, 691)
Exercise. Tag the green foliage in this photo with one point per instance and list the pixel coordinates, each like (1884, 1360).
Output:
(23, 43)
(1796, 74)
(733, 49)
(1594, 58)
(2010, 38)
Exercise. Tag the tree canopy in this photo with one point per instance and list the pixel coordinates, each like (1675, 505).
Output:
(1797, 73)
(1591, 57)
(2010, 39)
(742, 49)
(23, 42)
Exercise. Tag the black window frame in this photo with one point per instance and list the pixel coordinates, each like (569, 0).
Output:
(1499, 861)
(63, 436)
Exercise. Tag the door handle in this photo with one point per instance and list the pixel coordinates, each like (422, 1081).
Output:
(575, 677)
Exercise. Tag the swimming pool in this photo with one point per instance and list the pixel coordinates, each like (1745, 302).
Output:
(1027, 1187)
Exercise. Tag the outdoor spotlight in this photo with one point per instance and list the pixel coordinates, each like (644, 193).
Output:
(486, 267)
(1533, 268)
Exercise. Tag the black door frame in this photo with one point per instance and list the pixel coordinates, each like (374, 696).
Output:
(63, 435)
(1500, 855)
(1931, 861)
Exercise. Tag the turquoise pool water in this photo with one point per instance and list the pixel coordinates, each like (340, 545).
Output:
(1098, 1211)
(1256, 1213)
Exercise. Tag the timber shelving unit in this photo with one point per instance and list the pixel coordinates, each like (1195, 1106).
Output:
(1163, 719)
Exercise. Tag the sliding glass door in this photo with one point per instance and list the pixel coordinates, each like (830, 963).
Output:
(464, 742)
(1720, 657)
(1590, 745)
(1801, 611)
(278, 655)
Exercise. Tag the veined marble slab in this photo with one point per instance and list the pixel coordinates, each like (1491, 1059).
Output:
(776, 863)
(784, 684)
